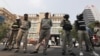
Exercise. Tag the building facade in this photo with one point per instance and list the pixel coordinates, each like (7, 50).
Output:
(34, 30)
(6, 16)
(91, 14)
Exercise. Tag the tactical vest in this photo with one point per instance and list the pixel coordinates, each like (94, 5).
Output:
(81, 25)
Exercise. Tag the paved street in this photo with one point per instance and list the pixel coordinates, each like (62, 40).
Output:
(53, 51)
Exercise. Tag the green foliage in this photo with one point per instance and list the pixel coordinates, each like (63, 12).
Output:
(74, 32)
(92, 25)
(3, 29)
(61, 32)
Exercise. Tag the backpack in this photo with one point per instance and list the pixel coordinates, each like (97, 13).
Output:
(67, 26)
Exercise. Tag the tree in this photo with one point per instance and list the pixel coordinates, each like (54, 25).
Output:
(92, 25)
(3, 30)
(74, 32)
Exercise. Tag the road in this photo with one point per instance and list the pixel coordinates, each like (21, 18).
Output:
(52, 51)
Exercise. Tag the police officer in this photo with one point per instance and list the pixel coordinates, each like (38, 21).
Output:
(45, 27)
(66, 25)
(12, 39)
(23, 32)
(80, 27)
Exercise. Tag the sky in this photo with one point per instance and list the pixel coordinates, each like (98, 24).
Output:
(71, 7)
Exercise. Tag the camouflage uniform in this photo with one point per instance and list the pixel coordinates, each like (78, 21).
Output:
(66, 36)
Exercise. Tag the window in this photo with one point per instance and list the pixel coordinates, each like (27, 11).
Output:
(56, 24)
(34, 25)
(33, 30)
(33, 35)
(55, 30)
